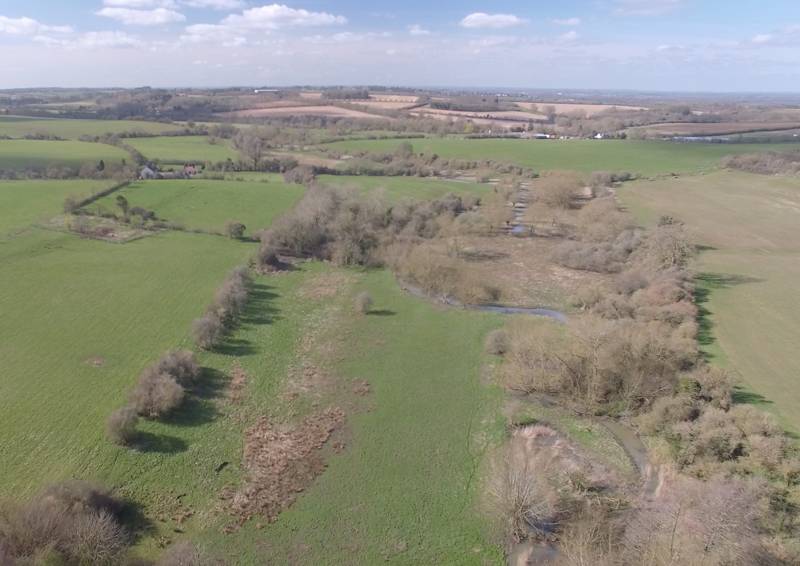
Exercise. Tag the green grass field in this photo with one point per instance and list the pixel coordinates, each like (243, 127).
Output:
(25, 202)
(180, 149)
(66, 301)
(750, 223)
(406, 187)
(641, 157)
(206, 204)
(19, 126)
(25, 154)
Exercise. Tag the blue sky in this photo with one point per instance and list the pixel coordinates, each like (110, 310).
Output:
(677, 45)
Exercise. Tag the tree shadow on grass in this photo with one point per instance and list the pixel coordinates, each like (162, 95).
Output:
(707, 284)
(148, 442)
(381, 312)
(194, 411)
(742, 396)
(133, 517)
(260, 306)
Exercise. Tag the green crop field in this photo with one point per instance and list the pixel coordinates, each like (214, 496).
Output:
(180, 149)
(207, 204)
(24, 154)
(406, 187)
(24, 202)
(81, 318)
(750, 223)
(641, 157)
(20, 126)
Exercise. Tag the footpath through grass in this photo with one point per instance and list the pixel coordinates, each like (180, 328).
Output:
(641, 157)
(748, 273)
(207, 204)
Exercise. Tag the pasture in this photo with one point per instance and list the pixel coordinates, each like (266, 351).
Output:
(397, 188)
(405, 487)
(17, 155)
(20, 126)
(749, 270)
(207, 204)
(648, 158)
(181, 149)
(25, 202)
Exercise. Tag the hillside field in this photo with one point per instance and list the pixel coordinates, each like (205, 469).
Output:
(642, 157)
(19, 126)
(209, 204)
(25, 202)
(25, 154)
(180, 149)
(750, 270)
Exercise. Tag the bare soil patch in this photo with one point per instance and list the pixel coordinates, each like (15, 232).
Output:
(238, 382)
(718, 129)
(95, 361)
(324, 286)
(589, 109)
(316, 110)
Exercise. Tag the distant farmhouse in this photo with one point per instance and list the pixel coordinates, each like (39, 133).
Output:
(151, 171)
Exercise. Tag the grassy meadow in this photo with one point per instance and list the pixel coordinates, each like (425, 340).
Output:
(26, 154)
(207, 204)
(20, 126)
(25, 202)
(749, 269)
(647, 158)
(397, 188)
(180, 149)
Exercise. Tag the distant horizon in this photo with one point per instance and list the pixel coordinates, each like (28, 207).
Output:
(686, 46)
(471, 88)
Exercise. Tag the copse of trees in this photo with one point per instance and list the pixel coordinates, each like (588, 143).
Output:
(69, 523)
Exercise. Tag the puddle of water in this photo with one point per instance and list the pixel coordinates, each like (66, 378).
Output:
(500, 309)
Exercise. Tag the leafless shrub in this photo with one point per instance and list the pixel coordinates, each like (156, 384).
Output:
(765, 163)
(520, 497)
(207, 331)
(603, 257)
(497, 342)
(666, 246)
(363, 303)
(121, 425)
(72, 523)
(693, 522)
(558, 189)
(235, 230)
(600, 220)
(156, 394)
(181, 365)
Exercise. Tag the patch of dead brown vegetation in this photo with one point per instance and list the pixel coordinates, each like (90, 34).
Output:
(282, 461)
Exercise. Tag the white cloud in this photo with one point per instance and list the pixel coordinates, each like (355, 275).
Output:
(645, 7)
(93, 40)
(277, 16)
(418, 30)
(568, 22)
(214, 4)
(482, 20)
(134, 17)
(139, 4)
(762, 38)
(569, 36)
(28, 26)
